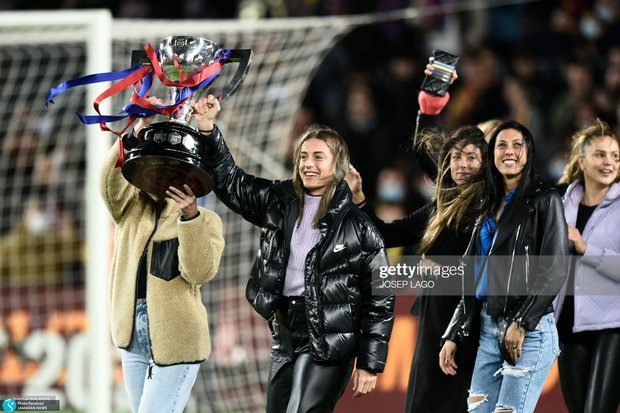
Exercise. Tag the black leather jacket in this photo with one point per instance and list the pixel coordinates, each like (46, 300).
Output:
(535, 227)
(344, 318)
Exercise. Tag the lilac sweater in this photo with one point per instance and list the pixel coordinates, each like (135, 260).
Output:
(597, 272)
(304, 238)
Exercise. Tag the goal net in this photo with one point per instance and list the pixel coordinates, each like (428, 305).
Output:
(48, 213)
(52, 242)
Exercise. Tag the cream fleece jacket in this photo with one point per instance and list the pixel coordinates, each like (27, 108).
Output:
(178, 325)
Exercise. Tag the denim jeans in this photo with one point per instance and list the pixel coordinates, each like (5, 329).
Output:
(153, 388)
(503, 386)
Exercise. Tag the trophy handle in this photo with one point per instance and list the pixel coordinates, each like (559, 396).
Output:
(244, 58)
(139, 57)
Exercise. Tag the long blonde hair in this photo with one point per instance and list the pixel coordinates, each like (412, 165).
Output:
(455, 205)
(581, 139)
(340, 152)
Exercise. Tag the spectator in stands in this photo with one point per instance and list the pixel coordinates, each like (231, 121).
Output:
(391, 194)
(362, 129)
(19, 153)
(479, 96)
(165, 248)
(566, 109)
(589, 304)
(313, 272)
(43, 247)
(488, 127)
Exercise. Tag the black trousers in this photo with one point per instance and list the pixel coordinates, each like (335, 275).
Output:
(589, 367)
(297, 383)
(425, 376)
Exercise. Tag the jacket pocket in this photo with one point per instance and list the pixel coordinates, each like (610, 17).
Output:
(165, 259)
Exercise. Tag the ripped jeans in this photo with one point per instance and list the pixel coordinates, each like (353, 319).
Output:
(505, 388)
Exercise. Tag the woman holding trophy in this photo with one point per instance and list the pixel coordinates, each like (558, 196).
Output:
(166, 247)
(312, 277)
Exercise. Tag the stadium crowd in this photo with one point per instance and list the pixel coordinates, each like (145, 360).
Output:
(551, 65)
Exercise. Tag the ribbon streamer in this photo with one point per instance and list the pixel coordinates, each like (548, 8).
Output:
(140, 75)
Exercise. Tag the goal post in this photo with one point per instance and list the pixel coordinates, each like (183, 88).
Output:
(99, 58)
(29, 34)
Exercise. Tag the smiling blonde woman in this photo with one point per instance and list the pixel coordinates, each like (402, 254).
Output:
(312, 277)
(589, 324)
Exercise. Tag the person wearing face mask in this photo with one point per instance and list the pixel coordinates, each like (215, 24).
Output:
(589, 323)
(519, 248)
(391, 186)
(441, 228)
(41, 231)
(43, 247)
(389, 204)
(312, 277)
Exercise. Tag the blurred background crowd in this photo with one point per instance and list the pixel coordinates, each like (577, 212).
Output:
(552, 65)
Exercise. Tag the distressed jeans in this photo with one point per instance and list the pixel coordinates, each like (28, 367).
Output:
(505, 388)
(153, 388)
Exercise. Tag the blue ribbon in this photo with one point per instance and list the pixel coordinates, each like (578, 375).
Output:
(87, 80)
(139, 111)
(132, 108)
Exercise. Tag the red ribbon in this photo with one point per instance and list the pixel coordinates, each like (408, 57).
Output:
(190, 81)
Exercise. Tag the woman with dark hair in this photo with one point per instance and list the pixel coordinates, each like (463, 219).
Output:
(440, 229)
(588, 308)
(520, 252)
(312, 276)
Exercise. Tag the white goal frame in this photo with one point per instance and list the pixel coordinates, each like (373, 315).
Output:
(96, 26)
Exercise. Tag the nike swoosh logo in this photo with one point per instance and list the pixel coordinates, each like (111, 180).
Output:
(339, 247)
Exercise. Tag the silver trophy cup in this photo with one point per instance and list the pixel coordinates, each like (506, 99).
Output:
(171, 153)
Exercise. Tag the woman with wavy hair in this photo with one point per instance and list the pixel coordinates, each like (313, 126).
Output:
(441, 230)
(588, 308)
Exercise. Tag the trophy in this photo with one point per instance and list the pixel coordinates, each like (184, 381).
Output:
(438, 82)
(171, 153)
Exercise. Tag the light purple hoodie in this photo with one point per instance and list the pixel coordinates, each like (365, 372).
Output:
(597, 272)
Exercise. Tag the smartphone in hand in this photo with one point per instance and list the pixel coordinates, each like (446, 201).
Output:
(438, 82)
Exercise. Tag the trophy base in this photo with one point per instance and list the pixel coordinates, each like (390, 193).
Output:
(169, 154)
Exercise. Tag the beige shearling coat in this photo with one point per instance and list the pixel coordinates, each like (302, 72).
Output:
(178, 326)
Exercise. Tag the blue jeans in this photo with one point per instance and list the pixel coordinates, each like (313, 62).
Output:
(153, 388)
(496, 384)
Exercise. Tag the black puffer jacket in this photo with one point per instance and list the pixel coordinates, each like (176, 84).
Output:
(533, 243)
(344, 318)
